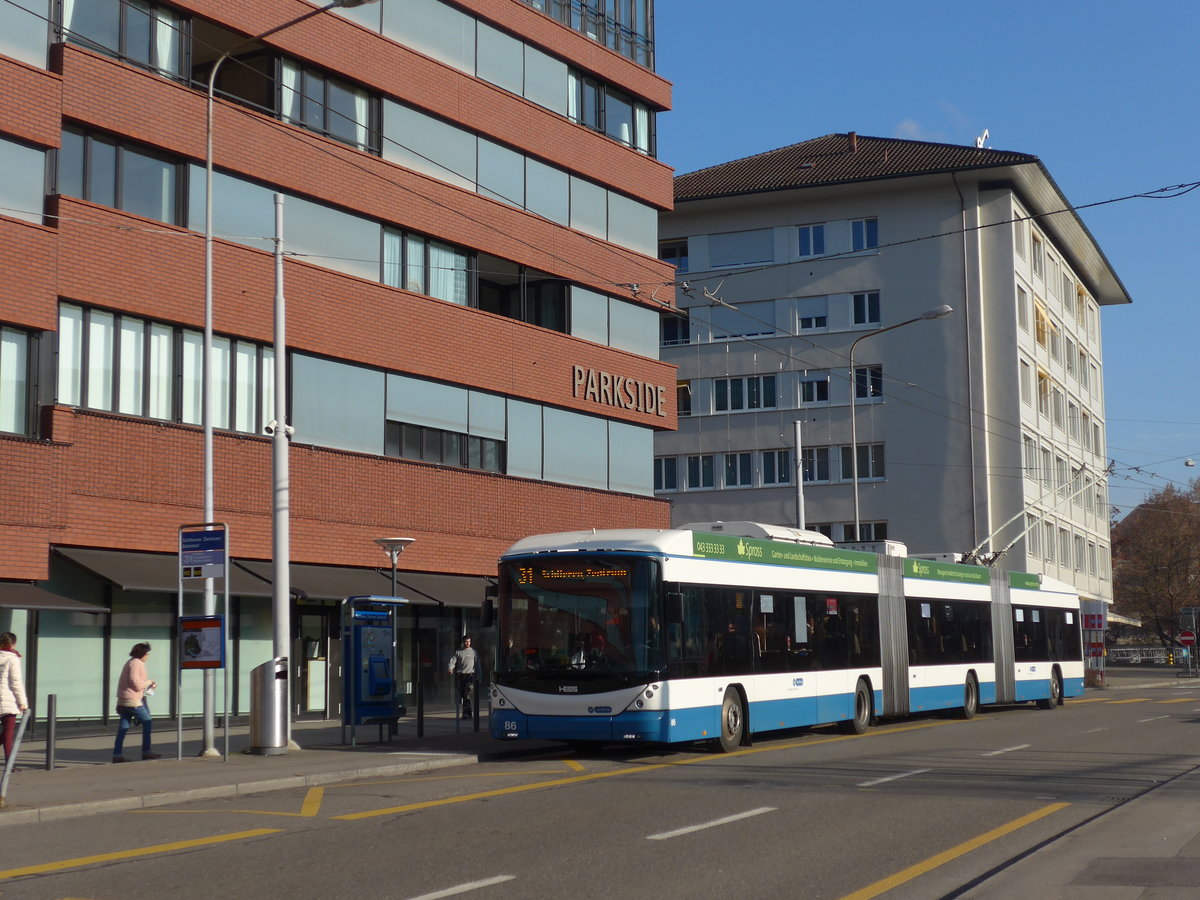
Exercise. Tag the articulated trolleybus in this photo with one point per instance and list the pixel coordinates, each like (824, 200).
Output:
(716, 631)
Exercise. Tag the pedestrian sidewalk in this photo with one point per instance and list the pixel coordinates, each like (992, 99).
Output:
(85, 781)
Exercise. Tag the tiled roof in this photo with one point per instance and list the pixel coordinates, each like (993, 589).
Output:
(837, 159)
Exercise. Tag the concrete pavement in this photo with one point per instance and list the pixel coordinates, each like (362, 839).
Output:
(1146, 847)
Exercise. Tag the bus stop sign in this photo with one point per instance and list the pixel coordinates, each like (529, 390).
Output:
(1187, 638)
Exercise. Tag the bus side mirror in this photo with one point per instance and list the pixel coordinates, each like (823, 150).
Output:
(674, 608)
(487, 613)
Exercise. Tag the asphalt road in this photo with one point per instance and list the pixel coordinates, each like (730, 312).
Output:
(917, 808)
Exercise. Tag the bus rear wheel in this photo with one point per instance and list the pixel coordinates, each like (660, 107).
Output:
(1056, 693)
(970, 698)
(862, 711)
(733, 721)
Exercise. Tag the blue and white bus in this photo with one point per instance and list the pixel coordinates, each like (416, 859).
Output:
(717, 631)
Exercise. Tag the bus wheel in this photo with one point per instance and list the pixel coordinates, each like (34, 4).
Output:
(733, 720)
(862, 711)
(1056, 693)
(970, 698)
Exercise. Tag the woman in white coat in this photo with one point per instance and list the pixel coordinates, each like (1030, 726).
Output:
(12, 689)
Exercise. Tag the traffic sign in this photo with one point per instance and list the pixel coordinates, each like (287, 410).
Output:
(1187, 638)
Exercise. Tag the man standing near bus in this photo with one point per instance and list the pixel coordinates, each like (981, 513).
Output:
(464, 665)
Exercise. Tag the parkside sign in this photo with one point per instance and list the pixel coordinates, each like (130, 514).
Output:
(619, 391)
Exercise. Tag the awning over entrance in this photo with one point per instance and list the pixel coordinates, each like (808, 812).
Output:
(20, 595)
(155, 571)
(339, 582)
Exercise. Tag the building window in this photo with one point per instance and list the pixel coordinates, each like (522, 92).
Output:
(601, 108)
(1023, 307)
(1070, 355)
(812, 313)
(700, 470)
(676, 329)
(1020, 233)
(1073, 420)
(1026, 383)
(777, 467)
(815, 463)
(1082, 370)
(1039, 256)
(666, 473)
(1048, 530)
(1064, 548)
(1062, 476)
(814, 389)
(750, 392)
(864, 234)
(1031, 456)
(866, 308)
(868, 382)
(675, 253)
(812, 240)
(1058, 406)
(1055, 335)
(448, 448)
(115, 173)
(739, 469)
(14, 380)
(138, 367)
(1033, 536)
(1091, 552)
(1043, 384)
(136, 31)
(867, 531)
(683, 398)
(626, 27)
(870, 462)
(329, 106)
(1047, 468)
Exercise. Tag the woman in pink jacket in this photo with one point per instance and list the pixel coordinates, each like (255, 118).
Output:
(12, 689)
(131, 702)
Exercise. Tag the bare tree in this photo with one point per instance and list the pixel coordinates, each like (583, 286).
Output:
(1156, 560)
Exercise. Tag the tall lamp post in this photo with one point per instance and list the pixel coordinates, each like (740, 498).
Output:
(206, 413)
(936, 313)
(393, 547)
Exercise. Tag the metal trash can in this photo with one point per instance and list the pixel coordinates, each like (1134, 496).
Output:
(269, 707)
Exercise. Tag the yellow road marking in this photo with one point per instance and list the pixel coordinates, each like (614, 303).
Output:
(892, 881)
(312, 802)
(1074, 700)
(1178, 700)
(631, 770)
(1133, 700)
(43, 868)
(573, 764)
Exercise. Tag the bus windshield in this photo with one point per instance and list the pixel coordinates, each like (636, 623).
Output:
(579, 618)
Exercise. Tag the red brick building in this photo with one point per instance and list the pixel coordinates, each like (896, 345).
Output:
(471, 199)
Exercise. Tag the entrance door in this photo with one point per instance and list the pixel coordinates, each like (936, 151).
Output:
(317, 669)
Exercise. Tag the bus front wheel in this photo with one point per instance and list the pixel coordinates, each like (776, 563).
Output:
(1056, 693)
(733, 720)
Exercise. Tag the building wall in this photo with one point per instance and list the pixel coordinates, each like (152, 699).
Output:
(92, 478)
(951, 418)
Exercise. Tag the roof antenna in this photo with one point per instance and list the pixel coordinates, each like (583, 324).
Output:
(981, 141)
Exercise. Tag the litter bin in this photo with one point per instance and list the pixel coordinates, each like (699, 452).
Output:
(269, 707)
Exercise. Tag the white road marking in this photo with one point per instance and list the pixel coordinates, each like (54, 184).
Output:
(1152, 719)
(463, 888)
(1008, 750)
(893, 777)
(1093, 731)
(677, 832)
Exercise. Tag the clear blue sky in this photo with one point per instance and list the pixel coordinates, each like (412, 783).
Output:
(1105, 94)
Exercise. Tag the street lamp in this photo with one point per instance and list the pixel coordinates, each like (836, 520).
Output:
(936, 313)
(206, 413)
(393, 547)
